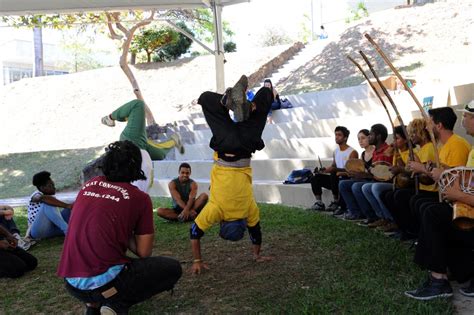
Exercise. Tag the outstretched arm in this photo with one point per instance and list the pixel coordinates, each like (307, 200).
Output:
(255, 233)
(198, 264)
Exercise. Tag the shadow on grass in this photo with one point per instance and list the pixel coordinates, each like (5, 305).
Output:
(65, 166)
(321, 266)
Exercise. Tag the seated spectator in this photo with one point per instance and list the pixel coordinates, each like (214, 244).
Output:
(441, 246)
(276, 104)
(324, 33)
(8, 222)
(373, 191)
(328, 177)
(453, 152)
(351, 190)
(183, 191)
(45, 220)
(14, 261)
(110, 217)
(398, 201)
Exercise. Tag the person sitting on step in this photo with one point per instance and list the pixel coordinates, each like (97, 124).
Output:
(328, 177)
(183, 192)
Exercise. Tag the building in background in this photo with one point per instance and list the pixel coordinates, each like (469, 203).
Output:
(16, 60)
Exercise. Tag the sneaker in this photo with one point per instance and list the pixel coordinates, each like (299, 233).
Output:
(351, 217)
(468, 291)
(377, 223)
(333, 206)
(106, 120)
(339, 211)
(23, 244)
(390, 227)
(366, 222)
(318, 206)
(238, 98)
(226, 100)
(431, 289)
(178, 143)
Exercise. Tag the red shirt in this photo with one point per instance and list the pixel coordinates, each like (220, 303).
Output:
(379, 154)
(104, 218)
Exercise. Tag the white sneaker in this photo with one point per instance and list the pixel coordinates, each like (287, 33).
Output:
(106, 120)
(23, 244)
(178, 143)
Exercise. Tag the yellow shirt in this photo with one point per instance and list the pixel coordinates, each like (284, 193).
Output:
(470, 159)
(455, 151)
(425, 154)
(231, 198)
(403, 155)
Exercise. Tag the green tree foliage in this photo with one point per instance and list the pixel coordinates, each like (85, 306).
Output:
(152, 39)
(80, 52)
(203, 26)
(175, 49)
(230, 47)
(274, 36)
(357, 13)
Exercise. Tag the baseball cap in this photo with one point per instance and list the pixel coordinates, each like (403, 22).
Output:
(469, 108)
(233, 230)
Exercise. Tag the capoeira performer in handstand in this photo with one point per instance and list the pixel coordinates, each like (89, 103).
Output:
(231, 202)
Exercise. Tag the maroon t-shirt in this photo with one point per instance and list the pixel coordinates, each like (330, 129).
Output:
(104, 218)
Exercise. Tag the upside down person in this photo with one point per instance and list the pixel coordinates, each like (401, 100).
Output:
(231, 202)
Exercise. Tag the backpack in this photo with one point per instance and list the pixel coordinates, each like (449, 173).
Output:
(299, 176)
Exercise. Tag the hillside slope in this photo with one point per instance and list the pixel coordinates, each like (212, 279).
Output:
(63, 112)
(433, 41)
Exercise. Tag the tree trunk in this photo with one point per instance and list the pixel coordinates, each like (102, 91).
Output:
(133, 58)
(148, 57)
(38, 52)
(150, 120)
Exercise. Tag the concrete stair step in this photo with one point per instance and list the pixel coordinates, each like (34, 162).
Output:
(274, 149)
(274, 192)
(298, 129)
(272, 169)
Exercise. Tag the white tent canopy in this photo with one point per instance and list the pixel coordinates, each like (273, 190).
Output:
(26, 7)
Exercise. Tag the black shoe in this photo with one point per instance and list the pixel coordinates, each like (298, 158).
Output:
(468, 291)
(338, 211)
(318, 206)
(431, 289)
(352, 217)
(333, 206)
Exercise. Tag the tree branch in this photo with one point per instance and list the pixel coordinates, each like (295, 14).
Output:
(113, 34)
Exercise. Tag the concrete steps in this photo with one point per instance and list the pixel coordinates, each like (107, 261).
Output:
(264, 191)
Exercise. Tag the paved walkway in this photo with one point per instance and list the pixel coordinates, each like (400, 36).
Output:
(23, 201)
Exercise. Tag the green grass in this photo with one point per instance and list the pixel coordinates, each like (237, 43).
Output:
(321, 266)
(65, 166)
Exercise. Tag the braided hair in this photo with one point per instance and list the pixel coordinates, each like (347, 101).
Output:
(123, 162)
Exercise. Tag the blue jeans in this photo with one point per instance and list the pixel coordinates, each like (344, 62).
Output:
(345, 191)
(50, 222)
(373, 194)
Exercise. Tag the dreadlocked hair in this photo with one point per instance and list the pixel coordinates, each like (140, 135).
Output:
(122, 162)
(417, 127)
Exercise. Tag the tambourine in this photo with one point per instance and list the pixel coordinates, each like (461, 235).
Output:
(381, 171)
(355, 166)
